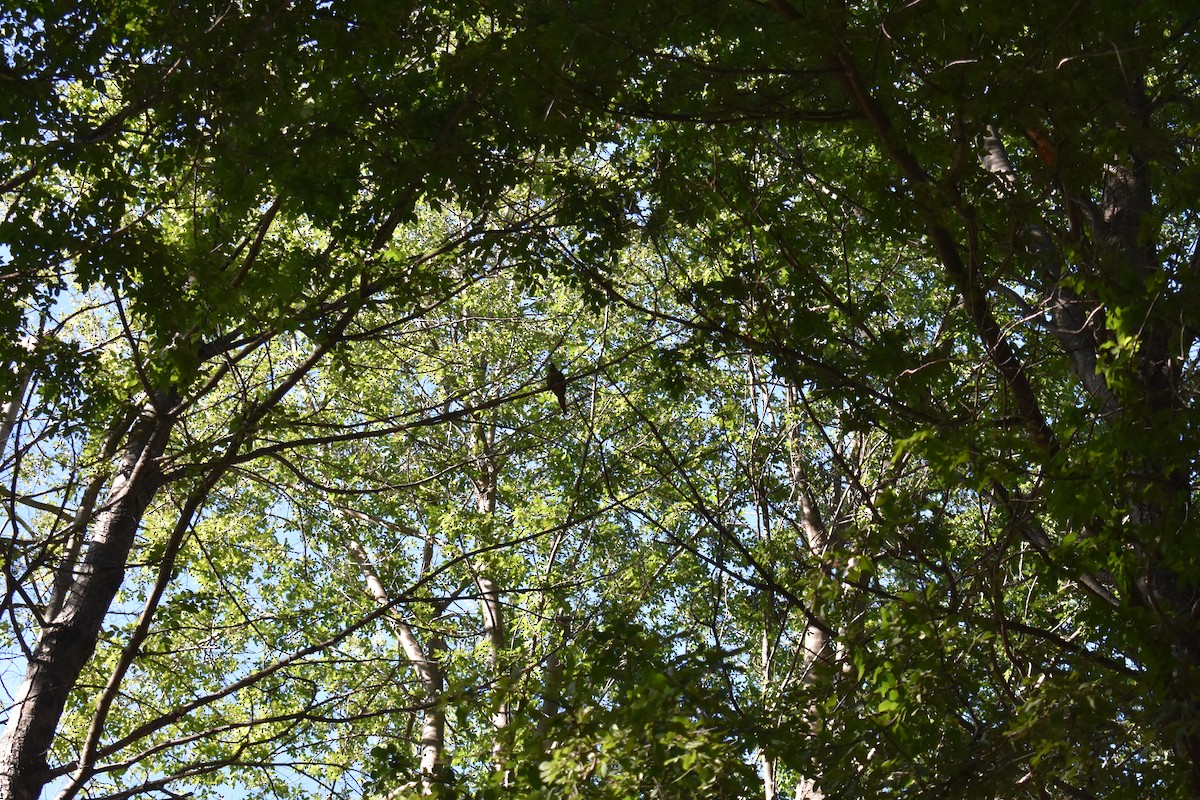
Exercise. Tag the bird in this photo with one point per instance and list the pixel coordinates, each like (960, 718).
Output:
(557, 383)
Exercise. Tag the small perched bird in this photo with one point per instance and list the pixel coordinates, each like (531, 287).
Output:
(557, 383)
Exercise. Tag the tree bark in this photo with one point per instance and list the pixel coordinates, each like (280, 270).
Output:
(69, 638)
(429, 673)
(13, 405)
(814, 642)
(1074, 323)
(552, 683)
(486, 489)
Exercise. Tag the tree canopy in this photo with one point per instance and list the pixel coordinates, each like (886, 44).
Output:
(868, 471)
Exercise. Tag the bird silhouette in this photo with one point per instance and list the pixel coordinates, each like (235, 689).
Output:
(557, 383)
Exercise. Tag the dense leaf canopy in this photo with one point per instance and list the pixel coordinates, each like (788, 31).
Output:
(873, 469)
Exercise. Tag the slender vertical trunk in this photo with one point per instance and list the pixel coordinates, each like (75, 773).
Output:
(429, 673)
(552, 684)
(768, 774)
(768, 645)
(489, 598)
(815, 641)
(760, 399)
(497, 638)
(12, 406)
(69, 638)
(11, 409)
(433, 721)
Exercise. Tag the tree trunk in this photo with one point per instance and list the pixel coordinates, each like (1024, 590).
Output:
(552, 683)
(497, 638)
(815, 641)
(69, 639)
(489, 599)
(13, 406)
(429, 673)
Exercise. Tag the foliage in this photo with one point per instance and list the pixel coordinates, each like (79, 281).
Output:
(878, 462)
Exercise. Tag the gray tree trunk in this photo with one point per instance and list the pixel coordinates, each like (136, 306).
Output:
(69, 638)
(429, 673)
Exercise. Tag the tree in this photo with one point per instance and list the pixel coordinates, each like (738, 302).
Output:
(880, 359)
(956, 231)
(162, 184)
